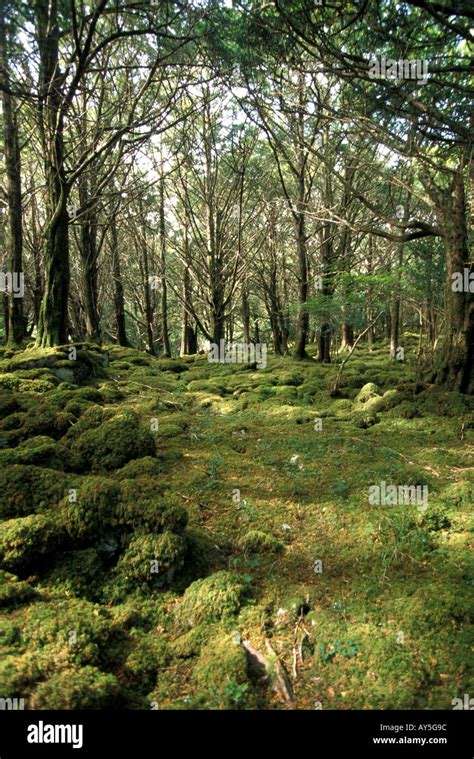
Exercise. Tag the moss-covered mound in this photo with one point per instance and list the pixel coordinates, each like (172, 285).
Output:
(26, 540)
(220, 675)
(112, 444)
(217, 597)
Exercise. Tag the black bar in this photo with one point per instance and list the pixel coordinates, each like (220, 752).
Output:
(322, 733)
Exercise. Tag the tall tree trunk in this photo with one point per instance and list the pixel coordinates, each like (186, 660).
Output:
(245, 314)
(53, 318)
(164, 287)
(119, 301)
(327, 264)
(302, 320)
(36, 246)
(347, 335)
(13, 172)
(454, 367)
(149, 287)
(89, 254)
(188, 333)
(395, 308)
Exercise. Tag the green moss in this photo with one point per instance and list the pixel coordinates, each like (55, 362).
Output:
(201, 554)
(152, 559)
(27, 540)
(13, 382)
(149, 653)
(171, 365)
(256, 541)
(91, 511)
(76, 408)
(14, 591)
(458, 494)
(155, 516)
(369, 391)
(206, 386)
(86, 688)
(43, 419)
(139, 488)
(77, 573)
(286, 392)
(91, 419)
(13, 422)
(364, 419)
(219, 596)
(148, 466)
(190, 643)
(88, 394)
(220, 674)
(40, 451)
(8, 403)
(26, 489)
(114, 443)
(435, 519)
(290, 379)
(442, 403)
(110, 393)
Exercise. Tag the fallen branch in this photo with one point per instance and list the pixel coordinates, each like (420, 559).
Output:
(344, 362)
(272, 668)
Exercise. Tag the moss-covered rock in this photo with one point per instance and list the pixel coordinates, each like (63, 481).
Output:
(367, 393)
(364, 418)
(404, 410)
(256, 541)
(9, 403)
(220, 674)
(14, 591)
(152, 559)
(40, 451)
(290, 379)
(85, 688)
(26, 489)
(91, 510)
(171, 365)
(217, 597)
(148, 466)
(148, 654)
(79, 631)
(201, 555)
(44, 419)
(20, 385)
(114, 443)
(154, 516)
(77, 573)
(190, 643)
(27, 540)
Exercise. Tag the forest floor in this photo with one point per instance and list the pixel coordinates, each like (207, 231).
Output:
(170, 523)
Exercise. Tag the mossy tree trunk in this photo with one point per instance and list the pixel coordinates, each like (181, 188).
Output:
(53, 317)
(454, 366)
(188, 333)
(395, 308)
(89, 253)
(245, 314)
(119, 300)
(328, 258)
(301, 171)
(164, 286)
(14, 200)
